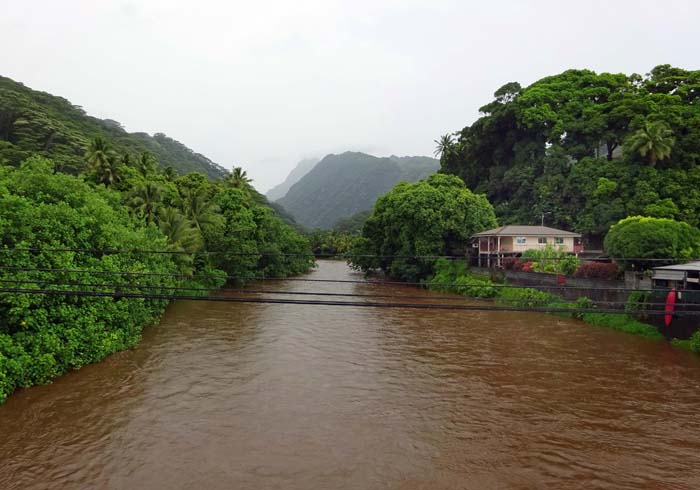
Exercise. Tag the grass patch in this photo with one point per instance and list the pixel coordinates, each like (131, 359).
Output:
(623, 323)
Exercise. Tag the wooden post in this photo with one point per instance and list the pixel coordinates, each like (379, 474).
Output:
(498, 251)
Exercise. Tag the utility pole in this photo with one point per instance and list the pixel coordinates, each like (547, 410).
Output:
(542, 223)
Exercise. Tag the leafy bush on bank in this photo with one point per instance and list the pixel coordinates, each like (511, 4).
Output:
(448, 273)
(598, 270)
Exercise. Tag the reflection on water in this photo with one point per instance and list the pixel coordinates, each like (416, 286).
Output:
(230, 395)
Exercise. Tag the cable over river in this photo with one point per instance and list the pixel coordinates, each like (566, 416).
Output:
(252, 396)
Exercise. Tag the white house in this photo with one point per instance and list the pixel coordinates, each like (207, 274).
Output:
(513, 240)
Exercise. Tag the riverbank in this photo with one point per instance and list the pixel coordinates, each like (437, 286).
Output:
(453, 276)
(259, 396)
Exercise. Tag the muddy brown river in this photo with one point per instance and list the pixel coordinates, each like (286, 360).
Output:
(255, 396)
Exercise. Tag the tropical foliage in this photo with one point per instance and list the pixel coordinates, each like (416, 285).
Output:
(73, 182)
(643, 242)
(588, 149)
(414, 223)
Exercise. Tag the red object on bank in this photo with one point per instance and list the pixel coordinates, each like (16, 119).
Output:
(670, 306)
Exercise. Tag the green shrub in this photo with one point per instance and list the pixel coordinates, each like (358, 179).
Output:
(525, 297)
(474, 286)
(551, 260)
(636, 303)
(640, 238)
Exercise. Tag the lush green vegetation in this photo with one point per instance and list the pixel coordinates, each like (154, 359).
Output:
(352, 224)
(433, 217)
(551, 259)
(589, 149)
(102, 192)
(454, 276)
(342, 185)
(42, 336)
(37, 123)
(640, 238)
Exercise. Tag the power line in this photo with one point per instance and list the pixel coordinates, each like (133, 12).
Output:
(348, 255)
(439, 306)
(338, 281)
(124, 287)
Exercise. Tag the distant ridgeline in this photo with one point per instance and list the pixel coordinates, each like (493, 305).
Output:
(302, 168)
(342, 185)
(33, 122)
(583, 150)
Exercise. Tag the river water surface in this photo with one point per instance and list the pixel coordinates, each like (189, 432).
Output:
(255, 396)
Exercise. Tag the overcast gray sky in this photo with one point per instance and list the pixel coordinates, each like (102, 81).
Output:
(263, 83)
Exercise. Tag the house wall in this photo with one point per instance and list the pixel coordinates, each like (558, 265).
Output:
(510, 245)
(531, 242)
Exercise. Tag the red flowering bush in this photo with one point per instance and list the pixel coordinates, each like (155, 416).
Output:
(527, 267)
(598, 270)
(512, 264)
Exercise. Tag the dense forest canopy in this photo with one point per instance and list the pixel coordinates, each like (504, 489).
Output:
(33, 122)
(585, 150)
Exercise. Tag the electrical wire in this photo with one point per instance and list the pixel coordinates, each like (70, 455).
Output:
(337, 281)
(123, 287)
(439, 306)
(317, 255)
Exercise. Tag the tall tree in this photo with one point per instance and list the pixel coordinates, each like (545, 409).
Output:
(238, 178)
(169, 173)
(199, 207)
(146, 164)
(145, 200)
(445, 146)
(98, 154)
(110, 173)
(180, 231)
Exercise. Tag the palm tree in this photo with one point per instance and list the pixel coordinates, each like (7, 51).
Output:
(237, 178)
(98, 153)
(445, 146)
(199, 207)
(182, 237)
(653, 141)
(110, 172)
(146, 164)
(145, 200)
(180, 231)
(169, 173)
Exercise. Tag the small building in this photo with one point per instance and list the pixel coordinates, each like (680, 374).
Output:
(677, 287)
(513, 240)
(679, 276)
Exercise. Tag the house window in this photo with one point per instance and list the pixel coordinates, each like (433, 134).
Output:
(542, 240)
(559, 241)
(520, 240)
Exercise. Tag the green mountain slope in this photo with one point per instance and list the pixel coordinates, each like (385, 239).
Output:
(37, 122)
(302, 168)
(342, 185)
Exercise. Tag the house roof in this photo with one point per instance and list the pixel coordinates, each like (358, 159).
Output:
(519, 230)
(689, 266)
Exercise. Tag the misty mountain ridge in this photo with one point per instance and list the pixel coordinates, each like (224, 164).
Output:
(301, 169)
(342, 185)
(35, 122)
